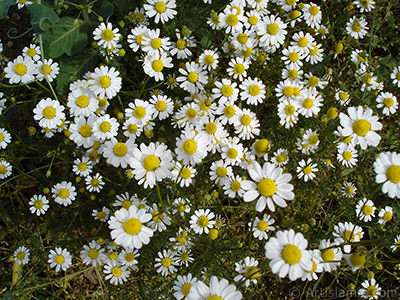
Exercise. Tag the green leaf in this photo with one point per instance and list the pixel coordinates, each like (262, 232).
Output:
(74, 69)
(40, 15)
(104, 9)
(68, 35)
(4, 5)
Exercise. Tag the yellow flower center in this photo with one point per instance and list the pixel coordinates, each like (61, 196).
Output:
(262, 146)
(308, 103)
(49, 112)
(31, 52)
(303, 42)
(85, 130)
(343, 96)
(38, 204)
(246, 120)
(189, 146)
(214, 298)
(93, 253)
(294, 14)
(104, 81)
(185, 173)
(291, 254)
(313, 139)
(252, 272)
(262, 225)
(1, 137)
(95, 182)
(181, 208)
(21, 255)
(126, 204)
(186, 289)
(371, 291)
(157, 216)
(160, 7)
(288, 91)
(208, 60)
(132, 128)
(290, 110)
(102, 102)
(232, 20)
(253, 20)
(314, 10)
(242, 38)
(366, 78)
(254, 90)
(290, 2)
(227, 90)
(266, 187)
(349, 235)
(235, 186)
(120, 149)
(387, 216)
(193, 77)
(82, 101)
(101, 215)
(105, 126)
(293, 57)
(161, 105)
(166, 262)
(347, 155)
(356, 28)
(338, 48)
(82, 166)
(313, 81)
(20, 69)
(388, 102)
(281, 158)
(132, 226)
(361, 127)
(139, 112)
(314, 268)
(191, 113)
(232, 153)
(47, 69)
(393, 173)
(151, 163)
(221, 172)
(63, 193)
(157, 65)
(181, 44)
(139, 39)
(107, 35)
(211, 128)
(314, 50)
(293, 74)
(398, 76)
(129, 257)
(59, 259)
(357, 259)
(113, 255)
(156, 43)
(332, 113)
(239, 68)
(229, 111)
(203, 221)
(367, 210)
(307, 170)
(117, 271)
(272, 29)
(328, 255)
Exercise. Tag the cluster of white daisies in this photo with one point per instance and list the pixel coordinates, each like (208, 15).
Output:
(215, 119)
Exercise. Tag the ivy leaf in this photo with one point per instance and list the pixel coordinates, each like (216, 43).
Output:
(68, 35)
(74, 69)
(4, 5)
(40, 15)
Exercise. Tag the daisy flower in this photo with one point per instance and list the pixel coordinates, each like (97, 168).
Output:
(385, 215)
(22, 69)
(232, 151)
(182, 45)
(261, 227)
(237, 68)
(105, 128)
(166, 262)
(94, 183)
(347, 155)
(387, 169)
(5, 169)
(49, 113)
(220, 172)
(183, 174)
(160, 220)
(280, 157)
(82, 166)
(292, 58)
(225, 90)
(312, 15)
(349, 190)
(302, 42)
(119, 153)
(127, 257)
(288, 111)
(38, 204)
(288, 254)
(217, 289)
(269, 185)
(365, 210)
(21, 255)
(155, 64)
(272, 31)
(233, 187)
(102, 214)
(231, 20)
(164, 106)
(181, 206)
(136, 39)
(125, 200)
(371, 290)
(365, 5)
(227, 113)
(396, 244)
(81, 131)
(368, 79)
(182, 240)
(246, 124)
(5, 138)
(151, 163)
(395, 76)
(194, 78)
(214, 131)
(93, 254)
(315, 54)
(389, 103)
(355, 260)
(82, 102)
(140, 112)
(128, 229)
(152, 43)
(64, 193)
(306, 170)
(248, 271)
(106, 36)
(60, 259)
(342, 97)
(331, 256)
(310, 141)
(191, 148)
(182, 285)
(361, 125)
(33, 51)
(253, 91)
(357, 27)
(310, 102)
(209, 59)
(116, 273)
(105, 82)
(51, 68)
(202, 221)
(317, 266)
(347, 233)
(161, 10)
